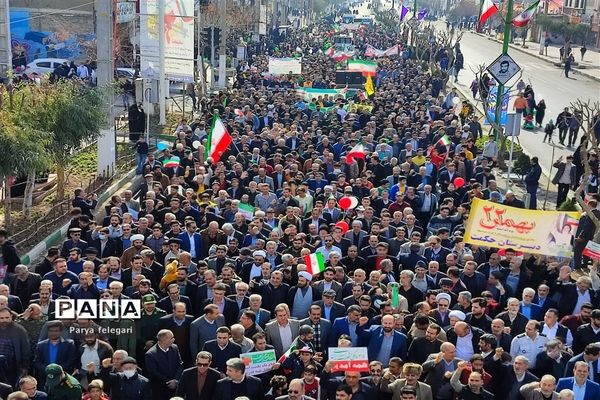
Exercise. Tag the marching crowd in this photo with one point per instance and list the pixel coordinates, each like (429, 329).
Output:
(217, 253)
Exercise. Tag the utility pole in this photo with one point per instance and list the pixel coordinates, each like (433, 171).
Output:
(105, 73)
(5, 43)
(213, 62)
(543, 31)
(500, 91)
(163, 85)
(223, 45)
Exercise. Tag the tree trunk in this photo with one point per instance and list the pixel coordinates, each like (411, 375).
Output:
(28, 195)
(7, 203)
(60, 182)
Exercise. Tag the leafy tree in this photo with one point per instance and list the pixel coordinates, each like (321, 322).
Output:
(73, 114)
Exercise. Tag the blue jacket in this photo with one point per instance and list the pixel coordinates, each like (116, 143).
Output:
(185, 243)
(373, 338)
(340, 327)
(592, 389)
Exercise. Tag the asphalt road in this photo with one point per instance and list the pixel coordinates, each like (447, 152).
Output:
(547, 81)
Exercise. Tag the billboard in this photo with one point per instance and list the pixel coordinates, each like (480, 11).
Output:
(179, 38)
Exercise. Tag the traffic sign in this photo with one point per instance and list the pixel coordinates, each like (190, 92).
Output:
(503, 68)
(413, 23)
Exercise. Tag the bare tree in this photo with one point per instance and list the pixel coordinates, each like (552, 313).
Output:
(588, 115)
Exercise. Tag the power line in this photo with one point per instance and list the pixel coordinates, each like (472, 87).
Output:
(51, 13)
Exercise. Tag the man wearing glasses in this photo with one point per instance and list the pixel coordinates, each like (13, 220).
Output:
(295, 391)
(199, 382)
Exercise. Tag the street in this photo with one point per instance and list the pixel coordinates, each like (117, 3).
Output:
(547, 83)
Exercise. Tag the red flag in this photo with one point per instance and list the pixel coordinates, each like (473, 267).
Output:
(487, 10)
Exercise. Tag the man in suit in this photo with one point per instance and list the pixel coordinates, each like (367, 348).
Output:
(282, 322)
(179, 322)
(435, 368)
(411, 373)
(356, 235)
(25, 283)
(226, 306)
(191, 241)
(508, 379)
(528, 308)
(164, 365)
(375, 336)
(330, 309)
(320, 326)
(199, 382)
(105, 245)
(587, 333)
(328, 283)
(543, 300)
(590, 356)
(205, 328)
(222, 348)
(346, 326)
(262, 177)
(584, 388)
(173, 297)
(254, 304)
(55, 350)
(296, 391)
(238, 384)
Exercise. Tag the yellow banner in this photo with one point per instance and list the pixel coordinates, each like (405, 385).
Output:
(531, 231)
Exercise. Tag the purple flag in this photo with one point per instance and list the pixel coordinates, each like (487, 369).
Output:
(422, 14)
(403, 12)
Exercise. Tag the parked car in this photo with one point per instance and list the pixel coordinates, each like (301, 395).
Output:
(43, 66)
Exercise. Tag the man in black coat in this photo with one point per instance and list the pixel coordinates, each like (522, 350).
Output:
(238, 383)
(9, 252)
(164, 366)
(189, 388)
(222, 349)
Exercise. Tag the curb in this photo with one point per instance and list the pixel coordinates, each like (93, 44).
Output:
(539, 57)
(481, 112)
(54, 238)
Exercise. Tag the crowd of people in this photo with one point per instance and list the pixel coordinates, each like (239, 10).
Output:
(217, 252)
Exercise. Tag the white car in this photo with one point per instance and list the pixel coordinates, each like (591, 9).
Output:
(43, 66)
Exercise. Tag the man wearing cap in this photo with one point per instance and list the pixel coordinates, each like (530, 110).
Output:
(75, 241)
(127, 385)
(60, 385)
(148, 325)
(301, 296)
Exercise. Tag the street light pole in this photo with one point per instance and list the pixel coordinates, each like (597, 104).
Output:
(162, 84)
(500, 91)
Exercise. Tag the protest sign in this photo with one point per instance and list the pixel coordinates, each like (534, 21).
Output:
(258, 362)
(349, 359)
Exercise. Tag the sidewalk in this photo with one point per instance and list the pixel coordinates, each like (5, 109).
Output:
(589, 67)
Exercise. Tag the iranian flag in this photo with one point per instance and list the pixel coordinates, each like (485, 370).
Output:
(315, 263)
(218, 140)
(444, 141)
(365, 66)
(358, 151)
(487, 10)
(247, 210)
(524, 18)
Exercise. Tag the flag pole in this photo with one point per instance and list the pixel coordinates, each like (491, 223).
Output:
(500, 91)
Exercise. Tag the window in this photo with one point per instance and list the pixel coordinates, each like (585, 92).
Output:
(43, 64)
